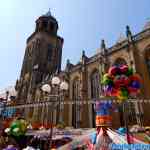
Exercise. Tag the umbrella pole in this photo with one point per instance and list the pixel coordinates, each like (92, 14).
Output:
(51, 131)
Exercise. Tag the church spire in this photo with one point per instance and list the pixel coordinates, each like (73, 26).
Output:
(103, 47)
(129, 34)
(48, 14)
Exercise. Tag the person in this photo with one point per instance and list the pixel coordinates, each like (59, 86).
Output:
(2, 140)
(32, 144)
(11, 144)
(147, 137)
(10, 147)
(46, 146)
(147, 131)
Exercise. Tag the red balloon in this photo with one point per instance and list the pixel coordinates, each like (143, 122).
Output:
(114, 92)
(135, 77)
(121, 81)
(124, 80)
(117, 84)
(124, 69)
(132, 90)
(112, 70)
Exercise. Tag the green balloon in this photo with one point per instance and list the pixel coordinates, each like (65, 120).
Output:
(130, 72)
(106, 80)
(15, 124)
(17, 128)
(124, 93)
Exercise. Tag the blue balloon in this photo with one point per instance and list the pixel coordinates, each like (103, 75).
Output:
(108, 88)
(136, 84)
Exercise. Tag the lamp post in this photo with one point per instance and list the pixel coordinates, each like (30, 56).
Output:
(126, 121)
(47, 88)
(63, 87)
(56, 84)
(60, 86)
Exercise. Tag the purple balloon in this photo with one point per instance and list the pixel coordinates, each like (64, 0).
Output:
(108, 88)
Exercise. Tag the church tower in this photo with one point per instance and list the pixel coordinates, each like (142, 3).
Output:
(42, 57)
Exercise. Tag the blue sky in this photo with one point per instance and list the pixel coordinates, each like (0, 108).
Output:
(82, 24)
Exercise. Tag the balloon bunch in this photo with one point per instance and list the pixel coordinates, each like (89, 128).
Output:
(121, 82)
(17, 128)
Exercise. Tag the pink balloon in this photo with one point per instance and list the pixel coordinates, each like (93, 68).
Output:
(124, 69)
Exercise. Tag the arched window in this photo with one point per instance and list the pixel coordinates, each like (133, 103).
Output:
(76, 117)
(147, 59)
(95, 91)
(76, 89)
(120, 61)
(95, 84)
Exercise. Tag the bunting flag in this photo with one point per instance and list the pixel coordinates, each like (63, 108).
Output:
(52, 103)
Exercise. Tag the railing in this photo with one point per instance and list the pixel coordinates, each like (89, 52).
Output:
(51, 104)
(71, 102)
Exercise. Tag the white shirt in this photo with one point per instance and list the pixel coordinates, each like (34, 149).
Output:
(29, 148)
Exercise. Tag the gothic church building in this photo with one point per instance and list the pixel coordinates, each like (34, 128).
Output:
(42, 60)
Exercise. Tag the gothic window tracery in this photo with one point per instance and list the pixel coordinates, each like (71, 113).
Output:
(95, 90)
(76, 89)
(76, 107)
(147, 59)
(95, 84)
(49, 53)
(30, 52)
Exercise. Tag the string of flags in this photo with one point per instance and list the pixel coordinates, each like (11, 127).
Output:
(52, 103)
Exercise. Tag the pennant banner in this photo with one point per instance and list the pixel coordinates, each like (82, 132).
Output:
(79, 103)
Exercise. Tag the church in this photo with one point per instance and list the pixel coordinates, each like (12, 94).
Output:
(42, 61)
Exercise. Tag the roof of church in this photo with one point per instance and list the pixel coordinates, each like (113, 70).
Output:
(48, 15)
(121, 38)
(147, 25)
(123, 42)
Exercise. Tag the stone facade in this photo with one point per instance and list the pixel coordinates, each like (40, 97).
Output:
(42, 59)
(84, 77)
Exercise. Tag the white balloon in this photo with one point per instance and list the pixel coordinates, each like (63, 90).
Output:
(55, 80)
(64, 85)
(46, 88)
